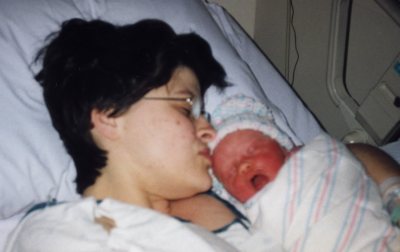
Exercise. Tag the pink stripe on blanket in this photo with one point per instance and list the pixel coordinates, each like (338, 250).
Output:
(388, 234)
(327, 183)
(294, 186)
(355, 217)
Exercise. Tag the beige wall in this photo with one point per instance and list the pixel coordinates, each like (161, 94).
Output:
(311, 23)
(271, 32)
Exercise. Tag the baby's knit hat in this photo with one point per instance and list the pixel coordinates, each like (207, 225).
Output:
(240, 112)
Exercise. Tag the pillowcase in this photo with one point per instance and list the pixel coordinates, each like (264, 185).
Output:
(34, 164)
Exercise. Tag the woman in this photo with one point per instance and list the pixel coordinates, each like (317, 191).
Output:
(122, 98)
(126, 101)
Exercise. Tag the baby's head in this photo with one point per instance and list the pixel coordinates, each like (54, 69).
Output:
(249, 148)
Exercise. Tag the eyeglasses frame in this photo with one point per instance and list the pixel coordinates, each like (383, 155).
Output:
(197, 107)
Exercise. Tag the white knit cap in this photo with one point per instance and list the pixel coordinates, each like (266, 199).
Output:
(241, 112)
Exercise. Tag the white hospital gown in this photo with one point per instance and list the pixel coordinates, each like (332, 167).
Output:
(71, 227)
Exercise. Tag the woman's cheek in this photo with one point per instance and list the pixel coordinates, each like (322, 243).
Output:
(185, 128)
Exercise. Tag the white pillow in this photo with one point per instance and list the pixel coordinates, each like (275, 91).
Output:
(34, 164)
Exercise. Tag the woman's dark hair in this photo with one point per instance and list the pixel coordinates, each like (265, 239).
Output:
(96, 65)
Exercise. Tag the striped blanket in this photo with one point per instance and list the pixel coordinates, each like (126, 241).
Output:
(322, 200)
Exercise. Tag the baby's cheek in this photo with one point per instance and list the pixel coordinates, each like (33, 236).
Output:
(241, 190)
(274, 168)
(218, 162)
(269, 166)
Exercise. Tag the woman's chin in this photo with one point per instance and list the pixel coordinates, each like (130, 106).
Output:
(206, 185)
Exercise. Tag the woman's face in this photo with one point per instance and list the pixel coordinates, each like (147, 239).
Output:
(245, 161)
(166, 143)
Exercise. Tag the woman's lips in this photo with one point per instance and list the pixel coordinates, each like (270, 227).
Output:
(205, 153)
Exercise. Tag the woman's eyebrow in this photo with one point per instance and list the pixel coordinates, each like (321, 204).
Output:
(185, 92)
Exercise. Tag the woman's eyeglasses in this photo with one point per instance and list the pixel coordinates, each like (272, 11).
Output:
(196, 105)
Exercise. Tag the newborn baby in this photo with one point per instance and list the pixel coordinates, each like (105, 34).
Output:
(313, 198)
(246, 160)
(302, 198)
(249, 149)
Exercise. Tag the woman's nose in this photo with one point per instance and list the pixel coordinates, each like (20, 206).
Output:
(205, 132)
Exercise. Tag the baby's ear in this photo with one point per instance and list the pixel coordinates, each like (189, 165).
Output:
(103, 124)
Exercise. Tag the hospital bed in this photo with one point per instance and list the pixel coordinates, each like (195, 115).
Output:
(34, 167)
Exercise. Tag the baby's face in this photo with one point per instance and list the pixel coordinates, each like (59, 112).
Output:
(246, 160)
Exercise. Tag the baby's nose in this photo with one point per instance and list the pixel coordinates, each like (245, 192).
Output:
(244, 167)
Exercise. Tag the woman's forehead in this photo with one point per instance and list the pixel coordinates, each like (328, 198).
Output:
(183, 82)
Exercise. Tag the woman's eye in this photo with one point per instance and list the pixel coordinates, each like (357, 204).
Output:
(187, 112)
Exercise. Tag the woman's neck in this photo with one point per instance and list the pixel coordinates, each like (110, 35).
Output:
(107, 186)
